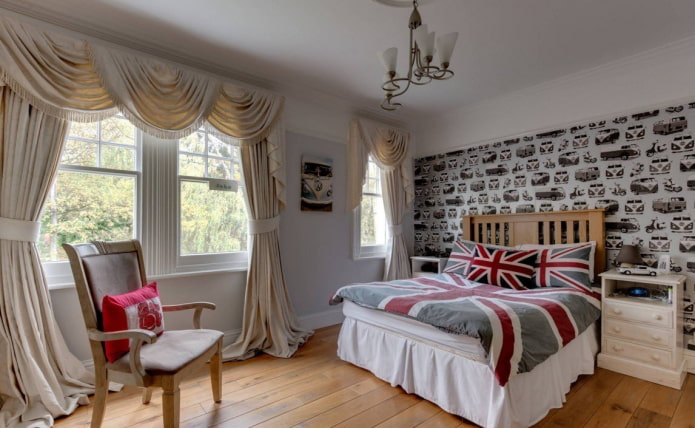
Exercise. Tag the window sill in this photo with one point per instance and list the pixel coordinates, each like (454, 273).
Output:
(67, 285)
(370, 256)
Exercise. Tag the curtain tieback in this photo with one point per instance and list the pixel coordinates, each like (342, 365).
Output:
(265, 225)
(396, 229)
(19, 230)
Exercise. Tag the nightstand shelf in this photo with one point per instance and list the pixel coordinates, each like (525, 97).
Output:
(642, 337)
(426, 266)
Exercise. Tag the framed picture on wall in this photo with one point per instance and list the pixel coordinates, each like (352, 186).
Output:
(317, 184)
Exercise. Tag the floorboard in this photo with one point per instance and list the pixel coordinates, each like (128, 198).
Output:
(316, 389)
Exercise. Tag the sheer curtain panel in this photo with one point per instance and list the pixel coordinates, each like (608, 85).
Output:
(390, 149)
(63, 79)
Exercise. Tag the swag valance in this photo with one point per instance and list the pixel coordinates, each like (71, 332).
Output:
(80, 81)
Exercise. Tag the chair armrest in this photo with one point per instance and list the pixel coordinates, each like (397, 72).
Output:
(138, 338)
(198, 306)
(146, 336)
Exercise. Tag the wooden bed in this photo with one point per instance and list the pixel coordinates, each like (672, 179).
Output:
(566, 227)
(441, 367)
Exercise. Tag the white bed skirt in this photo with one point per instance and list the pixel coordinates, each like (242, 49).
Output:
(463, 386)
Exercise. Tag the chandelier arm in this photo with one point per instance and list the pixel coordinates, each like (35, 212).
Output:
(418, 73)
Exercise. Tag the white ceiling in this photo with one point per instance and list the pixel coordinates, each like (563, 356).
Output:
(330, 45)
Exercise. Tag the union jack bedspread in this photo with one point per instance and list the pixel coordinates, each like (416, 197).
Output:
(518, 329)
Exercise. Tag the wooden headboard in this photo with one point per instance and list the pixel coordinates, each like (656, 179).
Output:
(562, 227)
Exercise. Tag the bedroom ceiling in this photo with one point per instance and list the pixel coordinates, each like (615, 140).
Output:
(329, 46)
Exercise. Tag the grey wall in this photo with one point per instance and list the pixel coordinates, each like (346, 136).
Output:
(316, 246)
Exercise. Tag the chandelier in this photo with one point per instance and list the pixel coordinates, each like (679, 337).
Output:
(421, 70)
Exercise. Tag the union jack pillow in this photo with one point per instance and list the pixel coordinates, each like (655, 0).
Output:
(564, 267)
(461, 257)
(463, 254)
(503, 267)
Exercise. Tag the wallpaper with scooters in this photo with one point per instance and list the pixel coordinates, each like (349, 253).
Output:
(639, 166)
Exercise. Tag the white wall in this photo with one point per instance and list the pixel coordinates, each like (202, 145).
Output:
(646, 79)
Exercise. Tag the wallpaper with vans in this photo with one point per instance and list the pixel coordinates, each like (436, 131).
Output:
(639, 166)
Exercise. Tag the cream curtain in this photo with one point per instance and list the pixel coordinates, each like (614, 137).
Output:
(39, 377)
(390, 149)
(269, 323)
(73, 80)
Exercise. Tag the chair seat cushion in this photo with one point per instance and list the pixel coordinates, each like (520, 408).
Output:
(172, 351)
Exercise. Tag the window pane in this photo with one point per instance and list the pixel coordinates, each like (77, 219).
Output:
(118, 130)
(218, 168)
(236, 171)
(191, 165)
(218, 148)
(83, 207)
(79, 153)
(211, 221)
(115, 157)
(194, 143)
(373, 222)
(85, 130)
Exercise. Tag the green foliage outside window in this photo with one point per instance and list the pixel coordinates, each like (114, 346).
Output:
(86, 207)
(211, 221)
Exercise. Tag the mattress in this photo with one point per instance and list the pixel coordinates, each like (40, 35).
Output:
(459, 344)
(447, 369)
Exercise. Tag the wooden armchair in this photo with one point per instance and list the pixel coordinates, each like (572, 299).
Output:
(112, 268)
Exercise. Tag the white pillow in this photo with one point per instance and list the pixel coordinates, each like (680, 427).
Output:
(592, 253)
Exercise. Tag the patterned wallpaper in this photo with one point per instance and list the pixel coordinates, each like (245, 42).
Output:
(640, 167)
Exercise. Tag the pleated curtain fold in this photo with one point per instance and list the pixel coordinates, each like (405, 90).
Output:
(390, 149)
(39, 377)
(61, 79)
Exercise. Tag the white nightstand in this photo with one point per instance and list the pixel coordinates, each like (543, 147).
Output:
(419, 265)
(642, 337)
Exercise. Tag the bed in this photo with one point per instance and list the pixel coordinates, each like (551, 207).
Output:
(454, 370)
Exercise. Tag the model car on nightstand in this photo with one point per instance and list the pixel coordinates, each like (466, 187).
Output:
(638, 270)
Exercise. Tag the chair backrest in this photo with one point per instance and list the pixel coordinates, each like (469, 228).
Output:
(104, 268)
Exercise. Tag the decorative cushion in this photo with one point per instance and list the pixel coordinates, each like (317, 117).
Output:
(564, 267)
(592, 255)
(462, 255)
(503, 267)
(137, 309)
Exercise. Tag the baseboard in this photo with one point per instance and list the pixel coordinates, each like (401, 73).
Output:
(323, 319)
(689, 357)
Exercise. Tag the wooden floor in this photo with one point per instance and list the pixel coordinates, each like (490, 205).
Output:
(315, 389)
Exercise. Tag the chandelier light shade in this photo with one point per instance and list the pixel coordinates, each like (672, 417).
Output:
(421, 69)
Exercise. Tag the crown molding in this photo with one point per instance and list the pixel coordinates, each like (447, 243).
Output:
(561, 125)
(72, 27)
(674, 48)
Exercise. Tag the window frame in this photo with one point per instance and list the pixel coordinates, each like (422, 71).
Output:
(58, 272)
(162, 226)
(360, 251)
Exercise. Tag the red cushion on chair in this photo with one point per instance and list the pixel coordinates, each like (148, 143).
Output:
(137, 309)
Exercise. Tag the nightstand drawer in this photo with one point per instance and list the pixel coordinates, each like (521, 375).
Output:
(639, 333)
(641, 313)
(645, 354)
